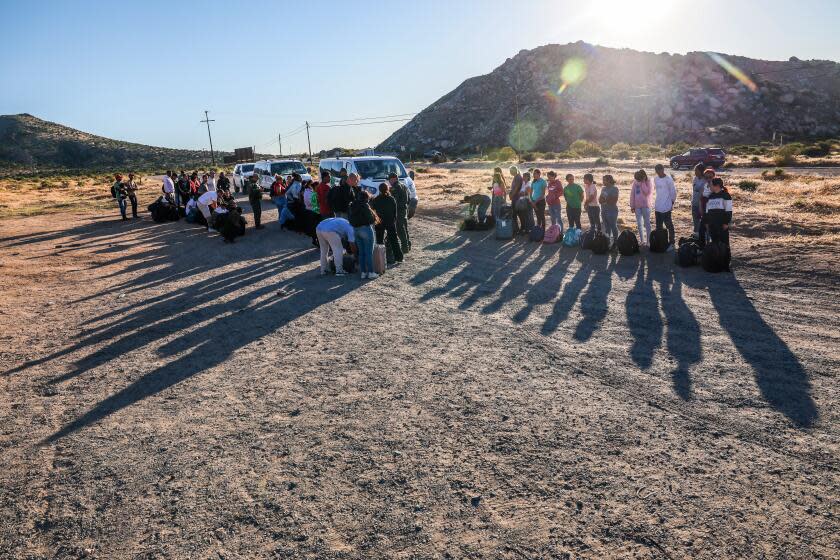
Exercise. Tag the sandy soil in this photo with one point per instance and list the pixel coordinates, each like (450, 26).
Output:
(163, 395)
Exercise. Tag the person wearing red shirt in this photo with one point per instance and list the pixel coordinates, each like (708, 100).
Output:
(322, 190)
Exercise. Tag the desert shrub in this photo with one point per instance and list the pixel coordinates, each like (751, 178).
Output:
(786, 155)
(678, 148)
(565, 155)
(550, 155)
(505, 153)
(755, 159)
(439, 158)
(422, 170)
(602, 161)
(585, 148)
(747, 185)
(453, 170)
(820, 149)
(529, 156)
(648, 150)
(777, 174)
(729, 165)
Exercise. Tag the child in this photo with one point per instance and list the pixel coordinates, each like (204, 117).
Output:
(593, 211)
(640, 195)
(609, 207)
(718, 212)
(499, 188)
(523, 205)
(552, 199)
(538, 197)
(573, 193)
(307, 196)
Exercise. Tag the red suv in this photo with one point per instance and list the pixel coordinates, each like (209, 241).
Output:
(710, 157)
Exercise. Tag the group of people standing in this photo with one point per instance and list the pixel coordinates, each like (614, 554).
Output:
(531, 195)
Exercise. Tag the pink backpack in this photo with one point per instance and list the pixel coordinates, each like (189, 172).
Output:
(552, 234)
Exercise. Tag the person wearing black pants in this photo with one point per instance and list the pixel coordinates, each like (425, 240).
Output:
(573, 214)
(386, 230)
(718, 215)
(663, 219)
(131, 188)
(255, 198)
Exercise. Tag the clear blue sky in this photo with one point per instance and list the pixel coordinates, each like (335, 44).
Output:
(145, 71)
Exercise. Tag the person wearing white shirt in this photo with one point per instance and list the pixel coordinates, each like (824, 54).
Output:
(169, 187)
(211, 182)
(666, 196)
(207, 201)
(330, 232)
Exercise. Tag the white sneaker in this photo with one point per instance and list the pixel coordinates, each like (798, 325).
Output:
(341, 273)
(670, 249)
(364, 275)
(372, 275)
(211, 230)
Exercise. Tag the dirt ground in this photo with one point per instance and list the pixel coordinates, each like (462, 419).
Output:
(164, 395)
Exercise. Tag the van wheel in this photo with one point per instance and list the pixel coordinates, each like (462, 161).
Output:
(675, 166)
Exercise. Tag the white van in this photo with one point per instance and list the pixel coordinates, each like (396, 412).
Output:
(372, 170)
(241, 172)
(268, 168)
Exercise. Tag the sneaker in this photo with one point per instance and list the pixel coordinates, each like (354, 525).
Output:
(372, 276)
(211, 230)
(670, 248)
(340, 273)
(364, 275)
(323, 273)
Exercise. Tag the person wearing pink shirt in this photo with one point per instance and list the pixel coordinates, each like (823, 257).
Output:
(641, 194)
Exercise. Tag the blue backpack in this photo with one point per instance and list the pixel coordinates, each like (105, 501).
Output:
(572, 237)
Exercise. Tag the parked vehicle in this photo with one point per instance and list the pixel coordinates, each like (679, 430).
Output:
(432, 153)
(241, 172)
(267, 169)
(711, 157)
(373, 170)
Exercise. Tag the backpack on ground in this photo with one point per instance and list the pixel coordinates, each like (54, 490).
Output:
(689, 252)
(504, 225)
(715, 257)
(469, 224)
(627, 243)
(658, 240)
(586, 239)
(348, 263)
(600, 244)
(552, 234)
(536, 234)
(572, 237)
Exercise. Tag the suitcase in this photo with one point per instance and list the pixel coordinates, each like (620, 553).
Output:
(504, 223)
(379, 259)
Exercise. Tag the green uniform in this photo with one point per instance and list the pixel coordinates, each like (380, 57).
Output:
(255, 198)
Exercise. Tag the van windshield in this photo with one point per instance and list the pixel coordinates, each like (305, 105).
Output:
(380, 168)
(287, 168)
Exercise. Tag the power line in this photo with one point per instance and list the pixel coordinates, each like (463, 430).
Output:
(355, 124)
(363, 119)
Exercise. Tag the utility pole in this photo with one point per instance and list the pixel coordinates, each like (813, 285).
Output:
(280, 141)
(208, 120)
(308, 143)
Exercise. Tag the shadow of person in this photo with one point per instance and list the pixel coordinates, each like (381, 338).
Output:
(212, 343)
(780, 376)
(593, 303)
(643, 317)
(571, 291)
(547, 287)
(683, 330)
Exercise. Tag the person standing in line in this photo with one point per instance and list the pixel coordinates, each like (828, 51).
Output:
(573, 194)
(538, 187)
(168, 187)
(182, 190)
(609, 207)
(120, 194)
(277, 193)
(640, 201)
(195, 184)
(330, 232)
(666, 196)
(223, 184)
(363, 219)
(131, 189)
(308, 194)
(524, 207)
(400, 194)
(323, 192)
(515, 194)
(698, 185)
(386, 230)
(719, 213)
(211, 181)
(341, 195)
(554, 190)
(499, 191)
(590, 200)
(255, 198)
(708, 177)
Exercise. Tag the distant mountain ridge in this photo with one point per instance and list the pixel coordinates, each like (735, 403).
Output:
(628, 96)
(28, 141)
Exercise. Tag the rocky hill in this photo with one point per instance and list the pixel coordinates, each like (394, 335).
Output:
(27, 141)
(560, 93)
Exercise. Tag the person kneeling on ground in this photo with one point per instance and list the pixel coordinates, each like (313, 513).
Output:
(330, 233)
(207, 202)
(363, 219)
(479, 203)
(386, 230)
(719, 213)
